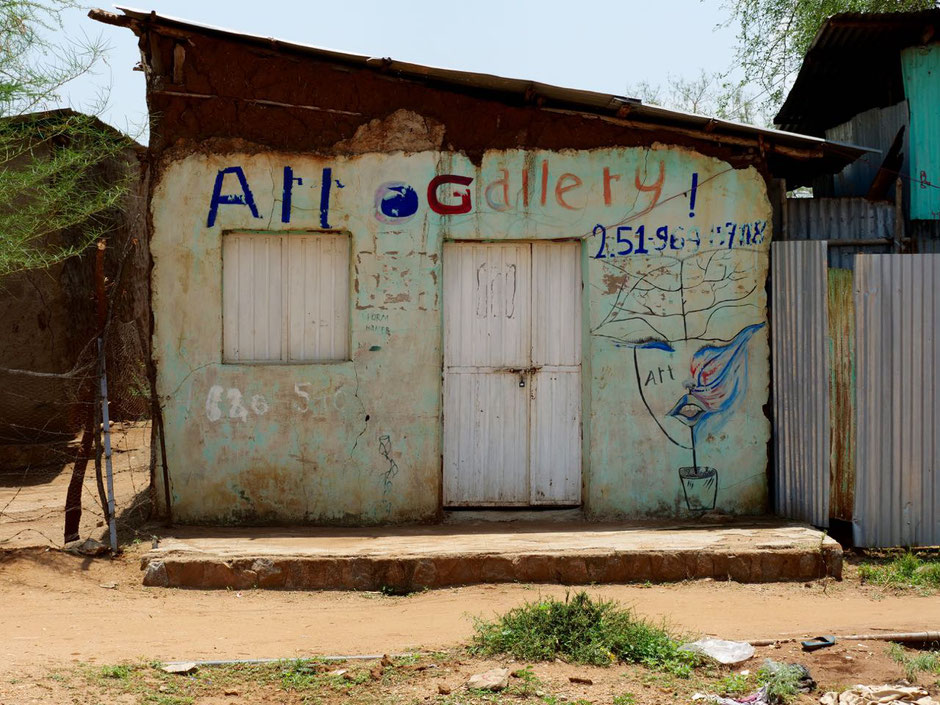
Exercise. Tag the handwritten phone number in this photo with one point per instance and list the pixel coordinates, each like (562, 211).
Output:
(627, 240)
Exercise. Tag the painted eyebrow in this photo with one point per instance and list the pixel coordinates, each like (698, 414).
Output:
(654, 344)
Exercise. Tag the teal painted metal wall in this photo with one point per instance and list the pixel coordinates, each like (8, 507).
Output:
(921, 69)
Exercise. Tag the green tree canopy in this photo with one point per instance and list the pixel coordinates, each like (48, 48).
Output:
(774, 35)
(58, 187)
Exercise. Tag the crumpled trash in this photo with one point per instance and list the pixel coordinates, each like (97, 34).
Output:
(726, 652)
(877, 694)
(88, 547)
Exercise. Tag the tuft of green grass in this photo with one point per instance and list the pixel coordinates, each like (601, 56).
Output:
(735, 684)
(782, 681)
(117, 672)
(529, 682)
(915, 662)
(581, 630)
(299, 674)
(625, 699)
(906, 571)
(164, 699)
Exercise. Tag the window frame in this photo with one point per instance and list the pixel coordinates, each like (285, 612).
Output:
(284, 236)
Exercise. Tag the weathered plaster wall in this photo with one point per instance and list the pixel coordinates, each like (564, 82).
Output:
(674, 262)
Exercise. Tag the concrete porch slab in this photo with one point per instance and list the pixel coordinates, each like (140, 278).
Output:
(414, 557)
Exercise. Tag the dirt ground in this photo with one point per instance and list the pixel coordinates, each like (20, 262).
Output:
(440, 678)
(32, 497)
(63, 614)
(65, 621)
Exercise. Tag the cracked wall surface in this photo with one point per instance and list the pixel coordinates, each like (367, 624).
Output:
(674, 260)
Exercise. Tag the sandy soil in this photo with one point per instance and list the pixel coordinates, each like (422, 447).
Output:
(63, 617)
(32, 499)
(440, 679)
(58, 609)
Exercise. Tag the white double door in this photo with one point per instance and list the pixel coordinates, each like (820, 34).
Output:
(512, 374)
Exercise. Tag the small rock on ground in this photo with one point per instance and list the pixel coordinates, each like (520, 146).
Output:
(495, 679)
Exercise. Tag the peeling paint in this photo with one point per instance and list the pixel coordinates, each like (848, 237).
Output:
(306, 442)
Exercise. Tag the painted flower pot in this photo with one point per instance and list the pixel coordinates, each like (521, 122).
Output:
(700, 487)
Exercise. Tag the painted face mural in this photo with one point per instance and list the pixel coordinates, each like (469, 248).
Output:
(687, 323)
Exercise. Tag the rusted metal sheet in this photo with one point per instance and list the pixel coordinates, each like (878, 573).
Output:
(841, 394)
(801, 389)
(897, 494)
(925, 235)
(835, 219)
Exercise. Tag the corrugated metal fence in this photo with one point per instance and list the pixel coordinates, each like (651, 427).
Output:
(840, 220)
(801, 373)
(897, 303)
(856, 364)
(841, 394)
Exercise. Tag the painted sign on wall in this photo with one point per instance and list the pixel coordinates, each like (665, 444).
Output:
(674, 259)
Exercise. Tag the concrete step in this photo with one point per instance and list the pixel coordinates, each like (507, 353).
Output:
(415, 557)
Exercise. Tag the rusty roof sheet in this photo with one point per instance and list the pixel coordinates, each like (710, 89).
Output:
(830, 156)
(853, 65)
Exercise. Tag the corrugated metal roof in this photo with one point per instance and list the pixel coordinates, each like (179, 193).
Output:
(853, 65)
(832, 155)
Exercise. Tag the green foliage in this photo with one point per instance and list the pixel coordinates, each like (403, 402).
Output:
(117, 672)
(58, 193)
(581, 630)
(528, 684)
(782, 681)
(735, 684)
(774, 35)
(33, 65)
(625, 699)
(915, 662)
(905, 571)
(300, 674)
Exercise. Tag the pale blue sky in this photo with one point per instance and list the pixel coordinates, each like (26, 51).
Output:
(591, 44)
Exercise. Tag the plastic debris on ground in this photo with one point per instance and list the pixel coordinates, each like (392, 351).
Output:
(805, 684)
(726, 652)
(878, 694)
